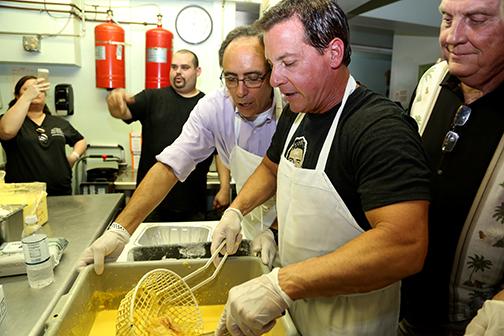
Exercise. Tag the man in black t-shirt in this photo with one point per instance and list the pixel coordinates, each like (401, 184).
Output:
(163, 113)
(351, 184)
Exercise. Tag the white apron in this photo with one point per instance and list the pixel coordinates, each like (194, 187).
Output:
(314, 221)
(243, 164)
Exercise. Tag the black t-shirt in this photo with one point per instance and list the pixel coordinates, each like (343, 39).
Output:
(376, 157)
(456, 177)
(30, 160)
(163, 113)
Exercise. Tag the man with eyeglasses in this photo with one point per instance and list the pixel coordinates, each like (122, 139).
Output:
(458, 104)
(238, 120)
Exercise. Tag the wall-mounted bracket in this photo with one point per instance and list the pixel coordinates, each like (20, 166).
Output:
(32, 43)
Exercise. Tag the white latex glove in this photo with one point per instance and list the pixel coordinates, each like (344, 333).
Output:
(107, 248)
(265, 243)
(253, 307)
(228, 228)
(489, 321)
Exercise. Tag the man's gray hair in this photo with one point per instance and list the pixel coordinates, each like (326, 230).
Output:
(238, 32)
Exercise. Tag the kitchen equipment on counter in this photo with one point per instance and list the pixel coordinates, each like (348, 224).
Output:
(99, 179)
(162, 294)
(182, 251)
(169, 233)
(11, 222)
(81, 220)
(33, 194)
(75, 311)
(154, 238)
(12, 259)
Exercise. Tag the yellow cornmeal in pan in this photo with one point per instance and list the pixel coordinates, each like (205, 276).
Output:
(105, 320)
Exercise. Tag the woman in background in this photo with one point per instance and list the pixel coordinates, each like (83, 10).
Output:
(34, 140)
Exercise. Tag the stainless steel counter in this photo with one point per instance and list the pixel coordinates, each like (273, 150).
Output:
(80, 219)
(127, 180)
(126, 183)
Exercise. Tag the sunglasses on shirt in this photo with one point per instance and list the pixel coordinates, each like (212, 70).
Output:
(452, 136)
(42, 135)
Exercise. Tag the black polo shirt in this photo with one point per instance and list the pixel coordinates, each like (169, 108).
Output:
(456, 177)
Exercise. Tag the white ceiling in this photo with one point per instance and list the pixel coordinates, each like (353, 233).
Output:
(414, 17)
(350, 5)
(424, 12)
(417, 17)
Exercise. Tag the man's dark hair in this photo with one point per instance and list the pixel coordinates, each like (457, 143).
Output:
(323, 20)
(195, 58)
(299, 143)
(242, 31)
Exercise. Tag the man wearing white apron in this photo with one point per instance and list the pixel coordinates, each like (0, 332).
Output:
(238, 121)
(352, 196)
(243, 164)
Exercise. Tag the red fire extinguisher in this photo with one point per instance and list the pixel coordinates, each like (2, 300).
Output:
(158, 43)
(109, 55)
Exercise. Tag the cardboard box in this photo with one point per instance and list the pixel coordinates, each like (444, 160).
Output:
(135, 141)
(135, 160)
(33, 194)
(135, 148)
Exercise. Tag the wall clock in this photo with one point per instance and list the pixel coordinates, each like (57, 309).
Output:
(193, 24)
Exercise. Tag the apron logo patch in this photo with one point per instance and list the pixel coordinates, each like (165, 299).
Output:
(296, 152)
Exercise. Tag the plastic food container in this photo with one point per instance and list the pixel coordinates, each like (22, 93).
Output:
(159, 234)
(75, 312)
(11, 222)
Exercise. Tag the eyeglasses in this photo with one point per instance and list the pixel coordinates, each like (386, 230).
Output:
(452, 136)
(250, 82)
(42, 136)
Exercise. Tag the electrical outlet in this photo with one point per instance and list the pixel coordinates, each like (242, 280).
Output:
(31, 43)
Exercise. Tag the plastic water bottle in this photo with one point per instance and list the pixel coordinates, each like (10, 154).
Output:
(39, 265)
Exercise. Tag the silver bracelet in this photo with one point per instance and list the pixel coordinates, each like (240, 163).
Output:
(118, 226)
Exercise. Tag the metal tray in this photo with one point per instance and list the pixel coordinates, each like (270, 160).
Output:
(11, 222)
(75, 312)
(163, 233)
(182, 251)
